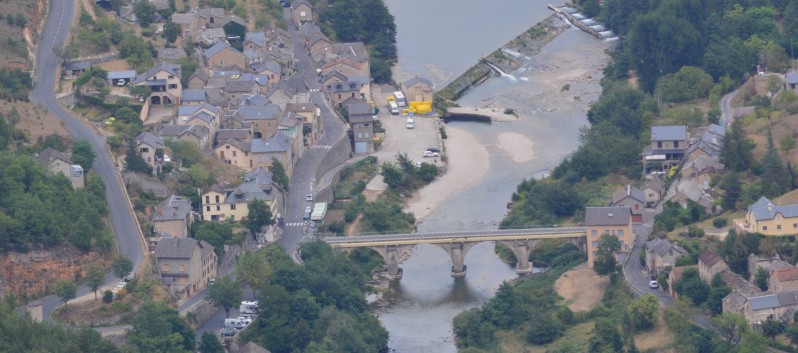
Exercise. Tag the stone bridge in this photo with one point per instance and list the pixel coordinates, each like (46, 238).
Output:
(457, 244)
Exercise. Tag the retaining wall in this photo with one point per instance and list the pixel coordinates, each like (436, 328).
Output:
(337, 155)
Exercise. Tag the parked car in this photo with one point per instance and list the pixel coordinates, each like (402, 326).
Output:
(309, 197)
(431, 154)
(308, 211)
(229, 332)
(433, 149)
(246, 318)
(653, 284)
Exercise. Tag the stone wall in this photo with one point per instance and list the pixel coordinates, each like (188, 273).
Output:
(337, 155)
(200, 312)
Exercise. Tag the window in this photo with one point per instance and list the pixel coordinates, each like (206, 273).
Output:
(172, 86)
(218, 208)
(795, 225)
(165, 268)
(234, 153)
(227, 147)
(637, 205)
(171, 77)
(207, 199)
(595, 244)
(232, 207)
(208, 208)
(181, 268)
(764, 227)
(217, 198)
(620, 232)
(659, 144)
(778, 227)
(593, 233)
(675, 144)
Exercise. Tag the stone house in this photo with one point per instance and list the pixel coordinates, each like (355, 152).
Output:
(345, 66)
(633, 198)
(667, 148)
(301, 11)
(710, 264)
(616, 221)
(270, 69)
(418, 89)
(661, 253)
(792, 80)
(163, 79)
(742, 290)
(233, 147)
(262, 119)
(783, 280)
(341, 92)
(194, 97)
(254, 41)
(55, 162)
(291, 90)
(315, 40)
(223, 56)
(171, 54)
(146, 145)
(770, 219)
(210, 36)
(278, 147)
(362, 126)
(186, 23)
(701, 169)
(653, 191)
(312, 128)
(355, 51)
(172, 217)
(197, 135)
(769, 263)
(221, 203)
(204, 114)
(185, 265)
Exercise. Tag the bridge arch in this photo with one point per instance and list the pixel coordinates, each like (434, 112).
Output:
(392, 255)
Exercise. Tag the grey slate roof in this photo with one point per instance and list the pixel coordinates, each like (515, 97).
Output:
(250, 112)
(792, 78)
(662, 246)
(238, 134)
(655, 184)
(149, 139)
(607, 216)
(189, 110)
(239, 86)
(260, 177)
(77, 65)
(194, 95)
(173, 69)
(279, 143)
(763, 209)
(709, 258)
(183, 18)
(178, 248)
(175, 131)
(417, 79)
(764, 302)
(270, 65)
(115, 75)
(628, 191)
(257, 38)
(256, 100)
(359, 112)
(216, 48)
(171, 209)
(300, 107)
(669, 133)
(210, 11)
(49, 154)
(171, 53)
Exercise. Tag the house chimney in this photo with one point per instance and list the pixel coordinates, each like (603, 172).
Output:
(628, 189)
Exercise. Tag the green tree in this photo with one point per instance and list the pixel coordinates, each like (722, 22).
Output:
(258, 215)
(170, 31)
(787, 143)
(121, 266)
(643, 312)
(731, 184)
(392, 175)
(141, 92)
(83, 154)
(278, 174)
(761, 278)
(209, 343)
(94, 278)
(736, 151)
(54, 141)
(715, 298)
(604, 261)
(774, 177)
(144, 10)
(253, 268)
(157, 328)
(591, 8)
(607, 338)
(752, 342)
(792, 333)
(731, 327)
(225, 294)
(134, 162)
(66, 290)
(772, 328)
(691, 286)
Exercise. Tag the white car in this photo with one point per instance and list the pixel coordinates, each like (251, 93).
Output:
(247, 319)
(431, 154)
(653, 284)
(309, 197)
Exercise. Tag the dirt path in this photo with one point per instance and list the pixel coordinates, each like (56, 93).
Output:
(352, 229)
(581, 288)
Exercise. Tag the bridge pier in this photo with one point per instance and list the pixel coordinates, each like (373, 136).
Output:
(457, 252)
(392, 256)
(522, 249)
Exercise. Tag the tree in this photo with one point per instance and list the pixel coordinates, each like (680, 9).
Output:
(144, 11)
(604, 262)
(66, 290)
(787, 143)
(157, 328)
(761, 278)
(643, 312)
(170, 31)
(772, 328)
(141, 92)
(774, 177)
(258, 215)
(278, 174)
(121, 266)
(94, 278)
(607, 338)
(54, 141)
(134, 162)
(715, 298)
(253, 268)
(226, 294)
(83, 154)
(731, 327)
(731, 184)
(691, 286)
(392, 175)
(736, 151)
(792, 333)
(209, 343)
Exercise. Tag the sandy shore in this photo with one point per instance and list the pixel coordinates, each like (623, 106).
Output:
(468, 163)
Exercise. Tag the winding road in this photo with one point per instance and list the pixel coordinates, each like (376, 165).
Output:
(128, 239)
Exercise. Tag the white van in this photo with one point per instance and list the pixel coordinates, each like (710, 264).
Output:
(248, 307)
(394, 108)
(236, 323)
(410, 123)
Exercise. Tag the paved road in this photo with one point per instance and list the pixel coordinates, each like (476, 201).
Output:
(726, 112)
(129, 242)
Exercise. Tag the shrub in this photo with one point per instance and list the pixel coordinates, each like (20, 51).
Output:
(108, 296)
(443, 132)
(720, 222)
(544, 331)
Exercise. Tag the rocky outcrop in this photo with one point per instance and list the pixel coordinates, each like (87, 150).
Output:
(33, 274)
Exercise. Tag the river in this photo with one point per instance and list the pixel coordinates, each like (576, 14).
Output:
(439, 40)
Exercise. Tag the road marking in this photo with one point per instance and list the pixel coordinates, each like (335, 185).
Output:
(322, 146)
(295, 224)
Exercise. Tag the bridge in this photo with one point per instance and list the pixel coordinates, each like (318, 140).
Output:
(457, 244)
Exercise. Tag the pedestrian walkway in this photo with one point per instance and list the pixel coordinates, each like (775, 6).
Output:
(295, 224)
(326, 147)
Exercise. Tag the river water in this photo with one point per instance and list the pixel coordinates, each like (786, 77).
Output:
(439, 40)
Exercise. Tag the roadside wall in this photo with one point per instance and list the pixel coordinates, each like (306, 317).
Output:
(337, 155)
(200, 312)
(326, 193)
